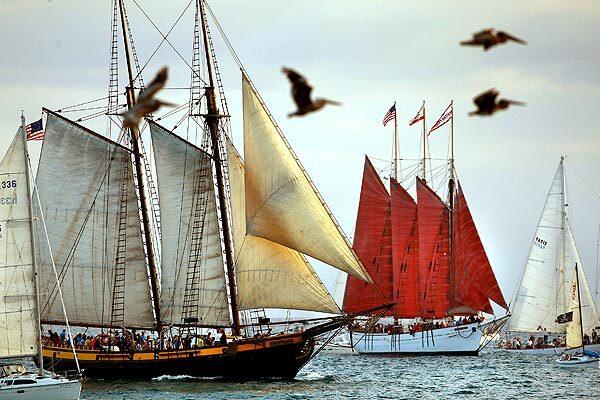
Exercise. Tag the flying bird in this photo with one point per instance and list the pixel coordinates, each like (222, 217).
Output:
(487, 103)
(146, 102)
(301, 91)
(489, 38)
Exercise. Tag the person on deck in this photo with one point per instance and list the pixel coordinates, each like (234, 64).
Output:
(223, 338)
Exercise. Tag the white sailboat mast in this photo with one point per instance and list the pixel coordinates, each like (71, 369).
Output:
(33, 246)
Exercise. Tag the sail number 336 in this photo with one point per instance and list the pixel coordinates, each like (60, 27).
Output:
(8, 184)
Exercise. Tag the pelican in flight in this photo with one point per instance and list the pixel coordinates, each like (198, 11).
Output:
(146, 103)
(487, 103)
(489, 38)
(301, 91)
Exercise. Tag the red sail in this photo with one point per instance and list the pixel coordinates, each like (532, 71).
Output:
(434, 252)
(475, 279)
(405, 252)
(372, 244)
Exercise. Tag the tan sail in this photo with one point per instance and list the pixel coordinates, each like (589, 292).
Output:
(282, 205)
(18, 317)
(269, 275)
(81, 181)
(574, 338)
(191, 244)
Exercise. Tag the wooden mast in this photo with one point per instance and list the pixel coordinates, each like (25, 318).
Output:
(212, 121)
(33, 246)
(139, 172)
(424, 143)
(395, 148)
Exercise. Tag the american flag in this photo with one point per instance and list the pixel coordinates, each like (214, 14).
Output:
(390, 115)
(419, 117)
(447, 115)
(35, 130)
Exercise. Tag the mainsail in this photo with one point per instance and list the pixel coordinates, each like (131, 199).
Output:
(544, 289)
(193, 284)
(18, 316)
(282, 204)
(85, 183)
(269, 275)
(373, 244)
(574, 327)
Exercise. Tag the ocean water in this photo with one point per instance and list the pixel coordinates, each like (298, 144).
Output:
(492, 375)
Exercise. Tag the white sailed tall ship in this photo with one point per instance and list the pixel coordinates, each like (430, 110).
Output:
(544, 289)
(20, 328)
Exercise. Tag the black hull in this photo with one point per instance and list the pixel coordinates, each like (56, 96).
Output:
(281, 362)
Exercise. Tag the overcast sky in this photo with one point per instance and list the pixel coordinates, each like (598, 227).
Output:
(366, 54)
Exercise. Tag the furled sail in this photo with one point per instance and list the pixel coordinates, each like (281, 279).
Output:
(373, 244)
(282, 205)
(574, 327)
(434, 252)
(405, 252)
(475, 280)
(269, 275)
(86, 188)
(540, 295)
(589, 313)
(192, 272)
(18, 316)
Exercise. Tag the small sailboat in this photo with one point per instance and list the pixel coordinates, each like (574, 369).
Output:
(544, 289)
(20, 328)
(575, 338)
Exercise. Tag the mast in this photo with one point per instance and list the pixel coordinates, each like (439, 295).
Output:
(33, 246)
(212, 120)
(395, 146)
(137, 156)
(451, 226)
(579, 306)
(562, 238)
(424, 143)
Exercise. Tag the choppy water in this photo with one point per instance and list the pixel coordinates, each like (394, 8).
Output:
(492, 375)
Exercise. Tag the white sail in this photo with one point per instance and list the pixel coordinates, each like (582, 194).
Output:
(85, 183)
(282, 204)
(540, 296)
(190, 240)
(269, 275)
(18, 317)
(574, 338)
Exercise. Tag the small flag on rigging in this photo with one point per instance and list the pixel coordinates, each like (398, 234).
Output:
(419, 117)
(390, 115)
(447, 115)
(564, 318)
(35, 130)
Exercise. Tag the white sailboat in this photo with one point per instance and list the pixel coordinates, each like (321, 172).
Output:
(20, 328)
(575, 332)
(545, 288)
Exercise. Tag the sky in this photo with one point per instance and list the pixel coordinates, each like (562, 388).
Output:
(367, 55)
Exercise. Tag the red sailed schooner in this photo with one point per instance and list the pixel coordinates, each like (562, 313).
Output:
(427, 258)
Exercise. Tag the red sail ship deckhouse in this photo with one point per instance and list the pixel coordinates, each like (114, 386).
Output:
(424, 256)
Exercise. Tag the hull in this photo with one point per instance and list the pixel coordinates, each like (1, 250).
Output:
(57, 390)
(334, 348)
(456, 340)
(578, 362)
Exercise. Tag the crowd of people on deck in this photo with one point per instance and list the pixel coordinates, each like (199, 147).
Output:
(420, 326)
(543, 342)
(133, 341)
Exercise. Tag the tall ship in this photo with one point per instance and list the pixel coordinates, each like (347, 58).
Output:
(190, 238)
(545, 287)
(426, 257)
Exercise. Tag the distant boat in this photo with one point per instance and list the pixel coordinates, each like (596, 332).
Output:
(427, 258)
(544, 289)
(20, 329)
(196, 238)
(575, 331)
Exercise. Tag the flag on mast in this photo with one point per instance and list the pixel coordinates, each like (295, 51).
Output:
(390, 115)
(35, 130)
(447, 115)
(419, 117)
